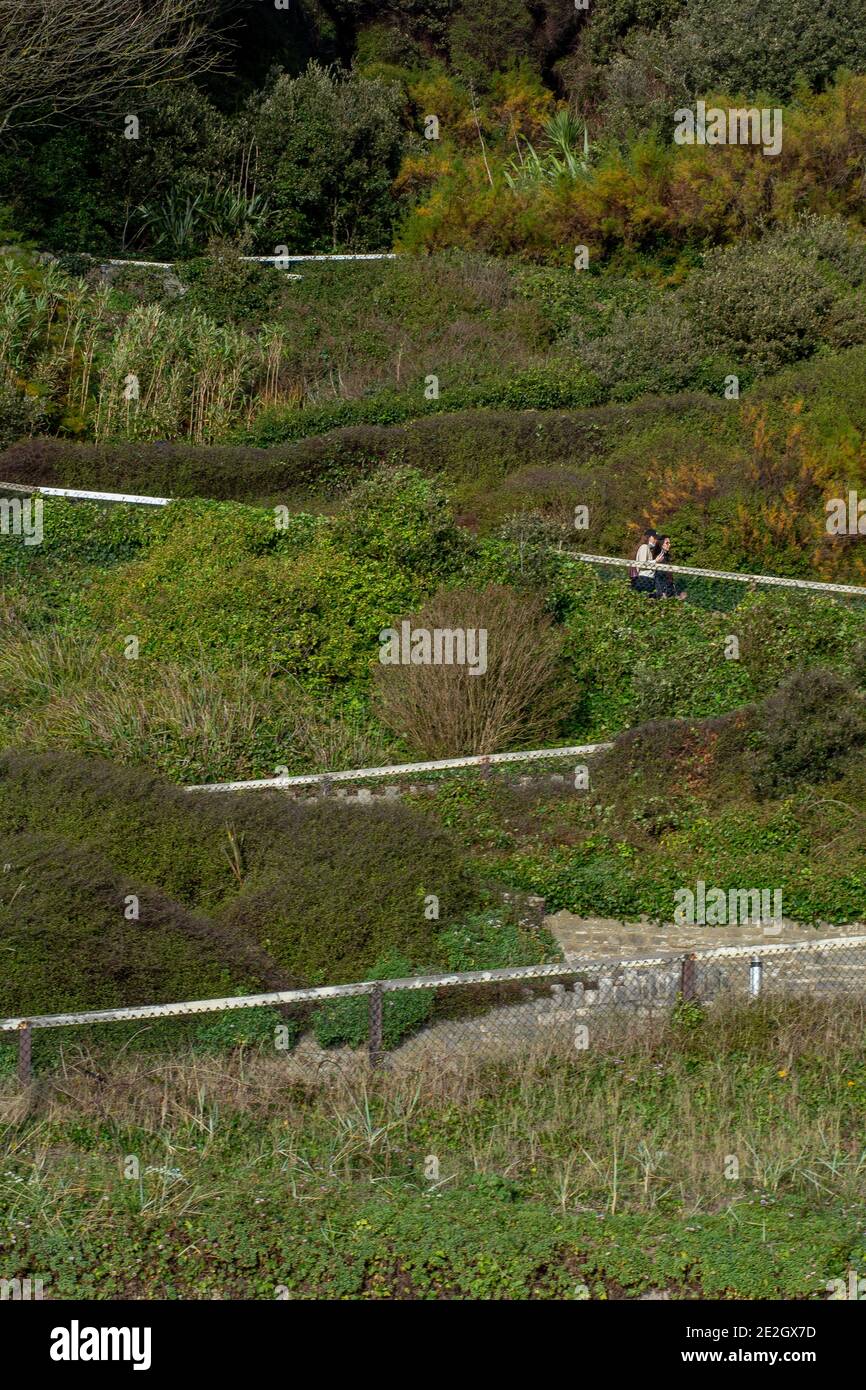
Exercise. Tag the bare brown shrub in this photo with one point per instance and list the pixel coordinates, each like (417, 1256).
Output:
(447, 711)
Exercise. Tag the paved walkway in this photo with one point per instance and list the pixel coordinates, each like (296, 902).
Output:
(604, 938)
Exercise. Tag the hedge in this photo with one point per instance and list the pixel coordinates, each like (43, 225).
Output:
(484, 444)
(281, 893)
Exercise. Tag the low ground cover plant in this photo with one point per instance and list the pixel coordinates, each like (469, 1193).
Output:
(598, 1175)
(173, 896)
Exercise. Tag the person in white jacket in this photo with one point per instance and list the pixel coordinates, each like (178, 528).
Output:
(643, 575)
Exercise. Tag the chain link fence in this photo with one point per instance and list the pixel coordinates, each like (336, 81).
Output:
(479, 1013)
(565, 1003)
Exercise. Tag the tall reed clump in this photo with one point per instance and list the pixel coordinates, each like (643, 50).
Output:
(169, 374)
(151, 372)
(50, 331)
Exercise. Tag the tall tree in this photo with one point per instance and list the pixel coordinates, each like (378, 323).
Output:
(60, 59)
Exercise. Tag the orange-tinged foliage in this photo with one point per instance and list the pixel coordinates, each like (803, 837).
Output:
(656, 197)
(690, 481)
(420, 171)
(520, 104)
(435, 93)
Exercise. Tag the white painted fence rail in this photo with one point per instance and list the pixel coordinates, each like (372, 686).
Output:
(400, 769)
(773, 579)
(278, 261)
(322, 994)
(86, 495)
(290, 996)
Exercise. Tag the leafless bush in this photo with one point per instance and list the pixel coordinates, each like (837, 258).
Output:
(447, 710)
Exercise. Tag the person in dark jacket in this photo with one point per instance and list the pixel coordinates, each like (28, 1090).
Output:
(665, 582)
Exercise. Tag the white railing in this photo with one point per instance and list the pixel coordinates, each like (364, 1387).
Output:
(771, 579)
(401, 769)
(278, 262)
(85, 494)
(575, 966)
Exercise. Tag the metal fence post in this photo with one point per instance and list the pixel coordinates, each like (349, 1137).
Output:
(756, 975)
(375, 1025)
(688, 978)
(25, 1040)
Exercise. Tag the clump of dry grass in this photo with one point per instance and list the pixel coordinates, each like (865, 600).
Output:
(650, 1115)
(191, 721)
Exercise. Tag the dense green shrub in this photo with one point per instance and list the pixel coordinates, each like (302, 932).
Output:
(383, 43)
(781, 634)
(751, 308)
(231, 290)
(165, 469)
(473, 447)
(764, 303)
(131, 284)
(494, 940)
(486, 35)
(829, 240)
(238, 1028)
(528, 559)
(541, 388)
(714, 44)
(84, 533)
(329, 145)
(608, 21)
(315, 615)
(578, 301)
(353, 888)
(78, 189)
(831, 388)
(144, 828)
(67, 943)
(537, 389)
(62, 190)
(806, 731)
(661, 350)
(280, 892)
(399, 515)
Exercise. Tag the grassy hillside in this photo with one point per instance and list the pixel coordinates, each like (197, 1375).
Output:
(213, 641)
(589, 327)
(227, 1183)
(119, 888)
(772, 794)
(225, 349)
(740, 485)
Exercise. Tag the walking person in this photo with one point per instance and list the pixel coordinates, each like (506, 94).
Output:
(665, 582)
(642, 572)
